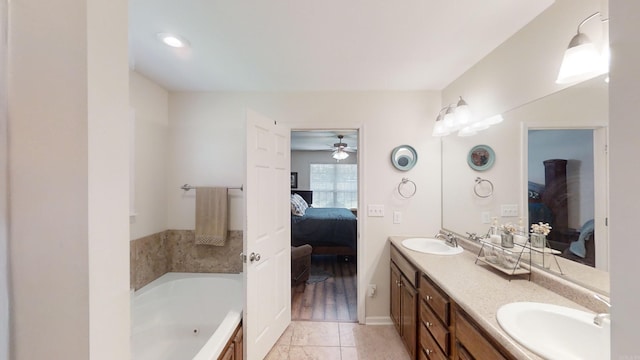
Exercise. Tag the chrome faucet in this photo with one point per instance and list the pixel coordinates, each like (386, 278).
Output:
(473, 237)
(599, 318)
(448, 238)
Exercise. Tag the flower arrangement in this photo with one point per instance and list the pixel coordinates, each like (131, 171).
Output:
(508, 228)
(540, 228)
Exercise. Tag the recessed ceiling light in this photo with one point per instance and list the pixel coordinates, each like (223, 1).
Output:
(173, 40)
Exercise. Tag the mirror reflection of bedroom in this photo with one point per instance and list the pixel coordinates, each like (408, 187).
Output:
(324, 210)
(561, 190)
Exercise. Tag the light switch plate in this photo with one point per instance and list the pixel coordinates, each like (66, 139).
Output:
(375, 210)
(509, 210)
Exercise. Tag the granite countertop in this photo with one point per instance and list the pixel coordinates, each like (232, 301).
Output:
(480, 290)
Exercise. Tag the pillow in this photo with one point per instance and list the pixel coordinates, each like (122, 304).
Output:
(298, 205)
(535, 190)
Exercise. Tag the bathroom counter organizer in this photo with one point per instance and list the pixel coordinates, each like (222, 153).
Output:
(506, 260)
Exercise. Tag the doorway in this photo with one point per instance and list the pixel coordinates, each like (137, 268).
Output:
(324, 172)
(566, 188)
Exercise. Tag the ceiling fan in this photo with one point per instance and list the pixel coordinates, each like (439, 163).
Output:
(340, 149)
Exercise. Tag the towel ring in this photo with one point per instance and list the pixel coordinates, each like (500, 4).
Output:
(478, 184)
(404, 193)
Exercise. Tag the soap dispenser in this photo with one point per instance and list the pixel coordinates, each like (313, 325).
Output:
(521, 236)
(494, 232)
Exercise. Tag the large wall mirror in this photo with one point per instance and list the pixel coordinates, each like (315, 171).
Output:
(557, 139)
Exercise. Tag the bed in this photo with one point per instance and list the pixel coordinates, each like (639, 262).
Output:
(575, 245)
(538, 210)
(327, 230)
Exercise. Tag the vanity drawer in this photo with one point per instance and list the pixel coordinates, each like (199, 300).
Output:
(410, 272)
(438, 331)
(429, 349)
(435, 298)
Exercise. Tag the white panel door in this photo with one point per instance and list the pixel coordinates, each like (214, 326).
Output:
(267, 234)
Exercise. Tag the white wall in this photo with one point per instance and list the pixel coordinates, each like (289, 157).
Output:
(206, 138)
(150, 103)
(68, 176)
(624, 201)
(524, 68)
(300, 161)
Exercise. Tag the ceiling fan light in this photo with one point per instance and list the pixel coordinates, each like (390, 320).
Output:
(340, 154)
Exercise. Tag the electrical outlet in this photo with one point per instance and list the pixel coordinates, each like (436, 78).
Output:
(397, 217)
(509, 210)
(372, 290)
(486, 217)
(375, 210)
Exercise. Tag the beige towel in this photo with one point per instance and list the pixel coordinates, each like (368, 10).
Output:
(211, 216)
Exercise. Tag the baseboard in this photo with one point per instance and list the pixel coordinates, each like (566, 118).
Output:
(378, 320)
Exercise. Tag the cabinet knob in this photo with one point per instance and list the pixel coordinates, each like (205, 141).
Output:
(428, 297)
(428, 324)
(428, 351)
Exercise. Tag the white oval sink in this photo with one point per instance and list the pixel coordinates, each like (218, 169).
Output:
(430, 246)
(556, 332)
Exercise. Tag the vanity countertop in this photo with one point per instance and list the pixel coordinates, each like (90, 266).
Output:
(480, 290)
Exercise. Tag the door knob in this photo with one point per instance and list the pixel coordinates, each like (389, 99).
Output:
(254, 257)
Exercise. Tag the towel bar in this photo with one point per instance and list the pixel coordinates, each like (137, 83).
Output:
(187, 187)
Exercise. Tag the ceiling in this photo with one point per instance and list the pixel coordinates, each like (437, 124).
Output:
(323, 139)
(330, 45)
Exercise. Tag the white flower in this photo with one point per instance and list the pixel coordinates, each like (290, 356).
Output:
(508, 228)
(540, 228)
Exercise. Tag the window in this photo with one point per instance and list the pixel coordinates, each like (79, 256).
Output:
(334, 185)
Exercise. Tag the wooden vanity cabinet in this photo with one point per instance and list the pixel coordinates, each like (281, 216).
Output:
(404, 300)
(474, 343)
(430, 323)
(435, 325)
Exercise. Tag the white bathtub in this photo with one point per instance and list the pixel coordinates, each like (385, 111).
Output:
(185, 316)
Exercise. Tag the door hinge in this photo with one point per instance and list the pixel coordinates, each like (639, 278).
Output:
(243, 257)
(606, 221)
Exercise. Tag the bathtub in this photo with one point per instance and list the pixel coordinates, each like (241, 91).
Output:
(185, 316)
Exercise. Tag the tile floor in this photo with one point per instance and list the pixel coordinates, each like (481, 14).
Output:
(307, 340)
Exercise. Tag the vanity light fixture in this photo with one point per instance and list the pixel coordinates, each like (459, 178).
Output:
(440, 129)
(581, 59)
(173, 40)
(463, 113)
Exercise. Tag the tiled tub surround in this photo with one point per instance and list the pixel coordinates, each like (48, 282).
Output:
(175, 251)
(480, 291)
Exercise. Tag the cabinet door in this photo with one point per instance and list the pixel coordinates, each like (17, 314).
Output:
(474, 340)
(237, 343)
(409, 315)
(462, 353)
(229, 353)
(395, 296)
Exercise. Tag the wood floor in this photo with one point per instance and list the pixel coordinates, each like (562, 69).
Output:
(334, 299)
